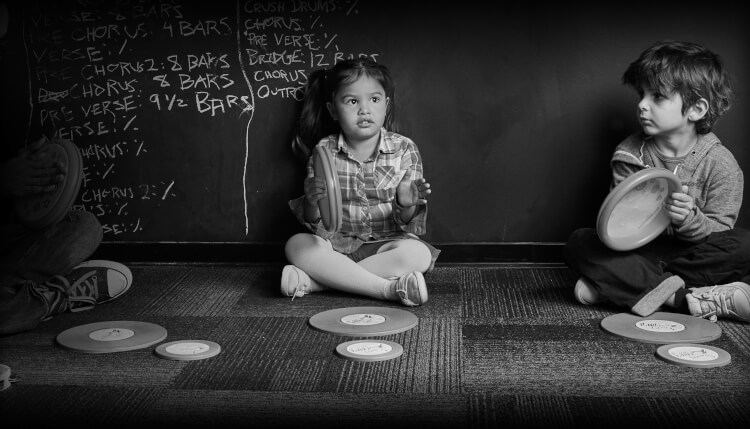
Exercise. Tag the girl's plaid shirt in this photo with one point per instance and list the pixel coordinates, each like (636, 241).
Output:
(368, 192)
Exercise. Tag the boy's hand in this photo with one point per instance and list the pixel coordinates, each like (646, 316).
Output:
(679, 205)
(412, 192)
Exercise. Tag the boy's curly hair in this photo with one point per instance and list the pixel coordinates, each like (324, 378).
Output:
(688, 69)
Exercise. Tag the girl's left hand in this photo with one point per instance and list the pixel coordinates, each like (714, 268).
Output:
(679, 206)
(412, 192)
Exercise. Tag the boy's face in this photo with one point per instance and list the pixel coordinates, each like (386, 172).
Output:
(360, 109)
(661, 114)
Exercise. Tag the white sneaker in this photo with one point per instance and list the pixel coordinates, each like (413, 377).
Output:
(587, 292)
(412, 289)
(294, 282)
(730, 300)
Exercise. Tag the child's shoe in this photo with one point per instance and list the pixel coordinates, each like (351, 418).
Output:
(96, 282)
(294, 282)
(730, 300)
(411, 289)
(587, 292)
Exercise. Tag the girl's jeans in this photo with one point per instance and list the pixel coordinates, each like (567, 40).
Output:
(28, 258)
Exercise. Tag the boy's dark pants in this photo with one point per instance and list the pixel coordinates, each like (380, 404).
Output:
(627, 278)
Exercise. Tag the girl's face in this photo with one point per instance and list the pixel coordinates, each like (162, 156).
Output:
(360, 109)
(661, 114)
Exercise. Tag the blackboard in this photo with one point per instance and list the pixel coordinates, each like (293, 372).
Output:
(183, 111)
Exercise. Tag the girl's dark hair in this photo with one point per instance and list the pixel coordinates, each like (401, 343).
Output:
(688, 69)
(315, 122)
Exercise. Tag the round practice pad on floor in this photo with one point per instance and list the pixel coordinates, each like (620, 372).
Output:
(369, 351)
(693, 355)
(111, 336)
(188, 350)
(4, 377)
(330, 206)
(633, 213)
(41, 210)
(364, 321)
(662, 328)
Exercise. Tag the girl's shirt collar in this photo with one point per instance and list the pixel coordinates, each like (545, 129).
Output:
(385, 145)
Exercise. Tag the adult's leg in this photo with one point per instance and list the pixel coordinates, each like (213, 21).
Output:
(23, 304)
(38, 255)
(29, 258)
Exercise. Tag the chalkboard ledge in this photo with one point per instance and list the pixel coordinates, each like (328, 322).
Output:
(273, 253)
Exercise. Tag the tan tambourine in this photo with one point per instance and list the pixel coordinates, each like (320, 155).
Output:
(330, 205)
(633, 213)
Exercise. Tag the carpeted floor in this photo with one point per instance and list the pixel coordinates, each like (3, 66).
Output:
(496, 346)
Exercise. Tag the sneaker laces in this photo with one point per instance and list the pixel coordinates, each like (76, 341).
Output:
(716, 303)
(84, 291)
(402, 290)
(298, 292)
(52, 285)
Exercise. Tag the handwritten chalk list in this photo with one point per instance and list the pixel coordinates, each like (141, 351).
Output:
(160, 97)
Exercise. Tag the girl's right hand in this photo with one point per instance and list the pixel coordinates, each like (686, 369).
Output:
(315, 190)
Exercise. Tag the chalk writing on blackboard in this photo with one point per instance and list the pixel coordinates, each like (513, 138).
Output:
(128, 82)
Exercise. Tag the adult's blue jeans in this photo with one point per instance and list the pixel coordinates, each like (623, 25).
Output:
(29, 258)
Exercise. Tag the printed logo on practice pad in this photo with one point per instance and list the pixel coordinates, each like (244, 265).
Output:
(363, 319)
(695, 354)
(187, 348)
(660, 326)
(369, 349)
(111, 334)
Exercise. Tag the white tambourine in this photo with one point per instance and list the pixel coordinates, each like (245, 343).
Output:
(330, 206)
(633, 213)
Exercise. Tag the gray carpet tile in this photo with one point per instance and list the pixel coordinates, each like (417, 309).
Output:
(738, 333)
(187, 290)
(528, 292)
(489, 410)
(226, 408)
(495, 346)
(278, 354)
(80, 406)
(592, 368)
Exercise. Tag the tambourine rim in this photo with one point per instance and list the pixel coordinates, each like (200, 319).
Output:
(635, 179)
(332, 201)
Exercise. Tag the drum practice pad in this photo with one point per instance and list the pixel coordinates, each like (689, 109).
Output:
(330, 206)
(369, 351)
(633, 213)
(662, 328)
(41, 210)
(111, 336)
(188, 350)
(693, 355)
(364, 321)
